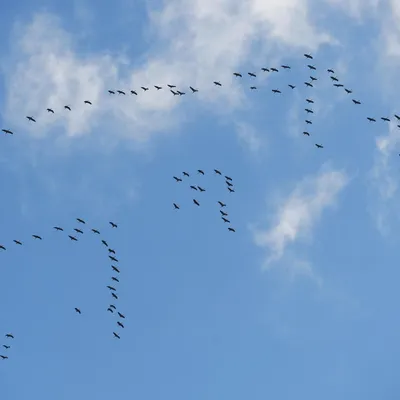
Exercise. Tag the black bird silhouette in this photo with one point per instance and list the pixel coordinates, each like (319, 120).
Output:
(217, 172)
(174, 93)
(120, 324)
(180, 93)
(67, 108)
(114, 278)
(112, 258)
(308, 56)
(217, 83)
(276, 91)
(10, 335)
(285, 66)
(292, 86)
(95, 231)
(265, 69)
(17, 242)
(4, 357)
(2, 247)
(176, 206)
(7, 131)
(196, 202)
(334, 78)
(313, 78)
(133, 92)
(121, 92)
(50, 110)
(193, 187)
(111, 92)
(158, 87)
(274, 69)
(113, 225)
(116, 335)
(185, 174)
(331, 71)
(237, 74)
(397, 117)
(171, 86)
(311, 67)
(221, 204)
(253, 87)
(78, 231)
(80, 220)
(223, 213)
(111, 251)
(338, 85)
(319, 146)
(228, 183)
(309, 101)
(73, 238)
(115, 269)
(348, 91)
(87, 102)
(228, 178)
(231, 229)
(114, 295)
(308, 84)
(200, 171)
(57, 228)
(371, 119)
(231, 190)
(309, 111)
(121, 315)
(385, 119)
(226, 220)
(193, 89)
(306, 133)
(112, 306)
(144, 88)
(78, 310)
(111, 288)
(31, 119)
(356, 101)
(104, 242)
(110, 309)
(177, 179)
(36, 237)
(308, 121)
(6, 347)
(201, 189)
(252, 74)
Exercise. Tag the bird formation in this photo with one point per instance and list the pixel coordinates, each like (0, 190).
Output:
(180, 92)
(6, 346)
(200, 189)
(73, 236)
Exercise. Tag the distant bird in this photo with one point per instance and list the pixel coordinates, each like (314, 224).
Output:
(112, 258)
(31, 119)
(176, 206)
(306, 133)
(17, 242)
(193, 187)
(217, 172)
(144, 88)
(265, 69)
(313, 78)
(111, 92)
(115, 279)
(292, 86)
(228, 178)
(81, 221)
(237, 74)
(6, 347)
(9, 335)
(121, 92)
(180, 93)
(319, 146)
(200, 171)
(276, 91)
(3, 357)
(87, 102)
(334, 78)
(112, 306)
(177, 179)
(133, 92)
(158, 87)
(193, 89)
(331, 71)
(309, 111)
(67, 108)
(397, 117)
(217, 83)
(115, 269)
(111, 251)
(231, 229)
(196, 202)
(226, 220)
(111, 288)
(171, 86)
(185, 174)
(78, 310)
(121, 315)
(7, 131)
(311, 67)
(57, 228)
(104, 242)
(356, 101)
(252, 74)
(308, 121)
(338, 84)
(371, 119)
(114, 225)
(309, 101)
(36, 237)
(385, 119)
(174, 93)
(96, 231)
(253, 87)
(285, 66)
(73, 238)
(110, 309)
(274, 69)
(223, 213)
(308, 56)
(120, 324)
(114, 295)
(2, 247)
(50, 110)
(116, 335)
(348, 91)
(221, 204)
(78, 231)
(308, 84)
(231, 190)
(201, 189)
(228, 183)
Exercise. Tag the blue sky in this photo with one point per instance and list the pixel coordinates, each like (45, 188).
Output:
(299, 302)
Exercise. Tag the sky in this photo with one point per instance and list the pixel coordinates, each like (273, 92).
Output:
(301, 300)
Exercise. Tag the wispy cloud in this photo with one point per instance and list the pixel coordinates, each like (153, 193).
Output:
(250, 137)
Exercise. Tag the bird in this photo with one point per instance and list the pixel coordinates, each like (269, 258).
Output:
(114, 278)
(104, 242)
(111, 92)
(81, 221)
(116, 335)
(356, 101)
(120, 324)
(334, 78)
(221, 204)
(276, 91)
(285, 67)
(121, 315)
(111, 251)
(110, 309)
(158, 87)
(36, 237)
(252, 74)
(226, 220)
(313, 78)
(5, 346)
(78, 310)
(253, 87)
(88, 102)
(185, 174)
(50, 110)
(217, 172)
(309, 111)
(2, 247)
(111, 288)
(177, 179)
(112, 306)
(7, 131)
(174, 93)
(193, 89)
(338, 84)
(308, 84)
(292, 86)
(67, 108)
(306, 133)
(397, 117)
(319, 146)
(3, 357)
(201, 189)
(231, 190)
(223, 213)
(133, 92)
(193, 187)
(311, 67)
(308, 121)
(121, 92)
(308, 56)
(348, 91)
(115, 269)
(264, 69)
(113, 224)
(57, 228)
(196, 202)
(180, 93)
(217, 83)
(112, 258)
(237, 74)
(309, 101)
(228, 183)
(231, 229)
(200, 171)
(17, 242)
(331, 71)
(274, 69)
(144, 88)
(73, 238)
(96, 231)
(114, 295)
(31, 119)
(10, 335)
(78, 230)
(176, 206)
(371, 119)
(385, 119)
(228, 178)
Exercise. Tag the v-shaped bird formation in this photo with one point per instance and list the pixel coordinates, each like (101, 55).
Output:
(200, 189)
(252, 75)
(114, 264)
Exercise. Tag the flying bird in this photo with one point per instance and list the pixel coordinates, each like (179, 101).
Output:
(334, 78)
(120, 324)
(385, 119)
(348, 91)
(115, 269)
(112, 258)
(201, 189)
(144, 88)
(308, 56)
(356, 101)
(217, 83)
(96, 231)
(196, 202)
(226, 220)
(114, 295)
(31, 119)
(104, 242)
(200, 171)
(193, 89)
(111, 288)
(177, 179)
(311, 67)
(221, 204)
(81, 221)
(50, 110)
(252, 74)
(309, 111)
(111, 251)
(2, 247)
(4, 357)
(17, 242)
(308, 84)
(114, 278)
(57, 228)
(133, 92)
(121, 315)
(338, 84)
(176, 206)
(237, 74)
(111, 92)
(292, 86)
(253, 87)
(285, 66)
(73, 238)
(185, 174)
(36, 237)
(231, 190)
(371, 119)
(223, 213)
(309, 101)
(6, 347)
(78, 310)
(313, 78)
(319, 146)
(78, 231)
(217, 172)
(7, 131)
(114, 225)
(9, 335)
(331, 71)
(264, 69)
(171, 86)
(67, 108)
(276, 91)
(231, 229)
(274, 69)
(306, 133)
(87, 102)
(308, 121)
(158, 87)
(116, 335)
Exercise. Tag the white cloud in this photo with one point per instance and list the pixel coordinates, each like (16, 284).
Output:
(194, 43)
(249, 137)
(297, 215)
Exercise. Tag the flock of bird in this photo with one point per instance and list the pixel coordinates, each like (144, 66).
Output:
(112, 308)
(180, 92)
(200, 189)
(6, 346)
